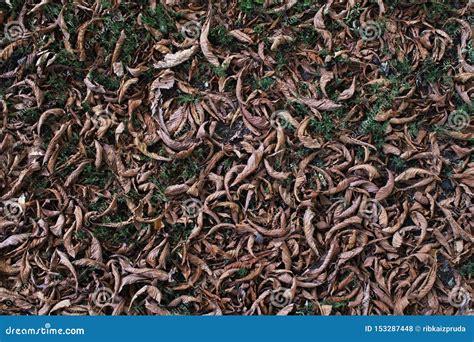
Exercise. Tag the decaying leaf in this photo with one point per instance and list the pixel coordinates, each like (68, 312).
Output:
(243, 157)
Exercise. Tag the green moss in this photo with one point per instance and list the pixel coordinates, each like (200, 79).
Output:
(29, 115)
(159, 196)
(80, 235)
(333, 25)
(40, 184)
(227, 164)
(259, 29)
(467, 269)
(87, 275)
(283, 55)
(68, 148)
(375, 129)
(287, 182)
(300, 109)
(91, 176)
(64, 57)
(108, 82)
(51, 11)
(402, 68)
(251, 7)
(178, 232)
(336, 305)
(14, 8)
(289, 21)
(360, 152)
(56, 99)
(433, 72)
(324, 127)
(398, 164)
(220, 71)
(413, 129)
(218, 35)
(306, 5)
(307, 35)
(160, 19)
(115, 235)
(264, 83)
(177, 171)
(106, 4)
(439, 10)
(242, 272)
(57, 83)
(306, 309)
(100, 205)
(188, 98)
(353, 15)
(470, 52)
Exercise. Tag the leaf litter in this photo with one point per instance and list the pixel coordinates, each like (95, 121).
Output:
(236, 157)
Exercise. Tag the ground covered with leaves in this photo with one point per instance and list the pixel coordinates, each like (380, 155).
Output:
(249, 157)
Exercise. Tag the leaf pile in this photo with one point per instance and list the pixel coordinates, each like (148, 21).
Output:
(236, 157)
